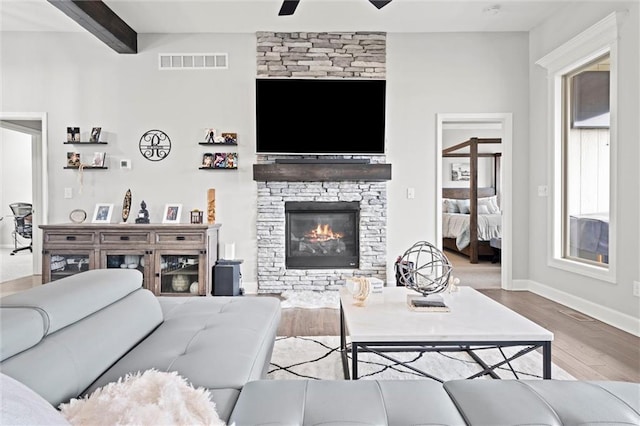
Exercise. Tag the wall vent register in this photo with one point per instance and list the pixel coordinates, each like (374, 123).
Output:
(193, 61)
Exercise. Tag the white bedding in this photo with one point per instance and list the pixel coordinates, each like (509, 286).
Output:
(456, 225)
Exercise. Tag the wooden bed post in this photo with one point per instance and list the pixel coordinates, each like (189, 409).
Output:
(473, 201)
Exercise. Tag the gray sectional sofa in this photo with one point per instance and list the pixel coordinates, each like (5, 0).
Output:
(69, 337)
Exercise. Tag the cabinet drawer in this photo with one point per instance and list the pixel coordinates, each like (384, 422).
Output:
(180, 237)
(125, 237)
(69, 237)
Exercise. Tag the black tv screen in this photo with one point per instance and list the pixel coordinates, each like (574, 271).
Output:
(320, 116)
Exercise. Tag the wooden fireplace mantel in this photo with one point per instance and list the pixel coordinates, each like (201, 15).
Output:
(320, 172)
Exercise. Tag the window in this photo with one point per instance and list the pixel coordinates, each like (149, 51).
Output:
(585, 152)
(582, 116)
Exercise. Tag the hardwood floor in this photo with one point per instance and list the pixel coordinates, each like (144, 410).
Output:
(586, 348)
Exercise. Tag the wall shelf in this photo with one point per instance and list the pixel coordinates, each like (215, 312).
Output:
(218, 168)
(217, 144)
(84, 143)
(85, 167)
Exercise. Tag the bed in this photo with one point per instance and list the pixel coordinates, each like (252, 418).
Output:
(478, 218)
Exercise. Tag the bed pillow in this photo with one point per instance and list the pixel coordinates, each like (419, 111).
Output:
(491, 203)
(452, 206)
(464, 206)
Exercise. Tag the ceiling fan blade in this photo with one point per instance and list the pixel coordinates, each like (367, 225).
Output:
(288, 7)
(380, 3)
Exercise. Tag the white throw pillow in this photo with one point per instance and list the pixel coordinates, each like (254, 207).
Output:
(452, 206)
(491, 203)
(19, 405)
(464, 206)
(149, 398)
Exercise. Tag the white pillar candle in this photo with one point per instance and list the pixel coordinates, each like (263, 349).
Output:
(230, 251)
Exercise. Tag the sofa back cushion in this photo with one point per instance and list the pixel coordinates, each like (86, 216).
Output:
(67, 301)
(77, 346)
(21, 329)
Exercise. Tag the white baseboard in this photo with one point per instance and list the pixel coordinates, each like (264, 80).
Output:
(602, 313)
(520, 285)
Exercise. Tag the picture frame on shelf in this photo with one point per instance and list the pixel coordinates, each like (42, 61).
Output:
(73, 159)
(230, 138)
(73, 134)
(98, 159)
(102, 213)
(210, 135)
(207, 160)
(95, 135)
(172, 213)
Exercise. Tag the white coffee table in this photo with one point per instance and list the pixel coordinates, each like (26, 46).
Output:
(386, 324)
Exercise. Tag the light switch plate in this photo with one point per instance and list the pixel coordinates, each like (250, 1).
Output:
(68, 193)
(411, 193)
(543, 191)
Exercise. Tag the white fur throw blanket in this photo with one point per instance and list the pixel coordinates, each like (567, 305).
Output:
(149, 398)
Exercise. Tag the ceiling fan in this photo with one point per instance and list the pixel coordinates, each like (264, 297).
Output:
(289, 6)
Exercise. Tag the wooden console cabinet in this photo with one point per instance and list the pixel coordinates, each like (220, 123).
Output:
(174, 259)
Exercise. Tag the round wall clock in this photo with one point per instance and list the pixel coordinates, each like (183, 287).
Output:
(155, 145)
(78, 216)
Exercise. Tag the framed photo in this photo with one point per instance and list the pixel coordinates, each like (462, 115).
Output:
(210, 135)
(98, 159)
(207, 160)
(172, 213)
(95, 134)
(102, 213)
(73, 159)
(230, 138)
(460, 171)
(73, 134)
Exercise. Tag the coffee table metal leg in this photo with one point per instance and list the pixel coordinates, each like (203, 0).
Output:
(354, 360)
(546, 360)
(343, 345)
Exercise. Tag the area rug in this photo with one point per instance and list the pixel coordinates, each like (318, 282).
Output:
(318, 357)
(310, 299)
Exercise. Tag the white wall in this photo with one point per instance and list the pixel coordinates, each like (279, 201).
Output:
(602, 296)
(15, 178)
(80, 82)
(450, 73)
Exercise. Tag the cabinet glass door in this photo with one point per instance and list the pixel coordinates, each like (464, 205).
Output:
(127, 259)
(64, 263)
(180, 274)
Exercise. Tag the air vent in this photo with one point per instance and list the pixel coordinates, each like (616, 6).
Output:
(576, 315)
(193, 61)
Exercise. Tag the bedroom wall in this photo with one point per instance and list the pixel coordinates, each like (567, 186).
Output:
(80, 82)
(603, 299)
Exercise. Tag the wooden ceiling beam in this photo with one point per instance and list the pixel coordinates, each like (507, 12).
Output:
(97, 18)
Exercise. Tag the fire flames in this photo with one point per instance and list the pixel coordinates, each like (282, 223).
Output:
(323, 233)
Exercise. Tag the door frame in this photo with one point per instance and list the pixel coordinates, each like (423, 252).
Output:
(40, 175)
(506, 203)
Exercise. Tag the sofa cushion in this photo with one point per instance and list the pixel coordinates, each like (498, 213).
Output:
(548, 402)
(68, 300)
(66, 362)
(20, 328)
(216, 343)
(297, 402)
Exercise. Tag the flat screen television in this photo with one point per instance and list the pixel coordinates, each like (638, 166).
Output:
(320, 116)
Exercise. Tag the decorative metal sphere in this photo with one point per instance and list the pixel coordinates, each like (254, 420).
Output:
(424, 268)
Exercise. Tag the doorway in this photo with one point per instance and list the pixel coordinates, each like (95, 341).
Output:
(32, 129)
(492, 171)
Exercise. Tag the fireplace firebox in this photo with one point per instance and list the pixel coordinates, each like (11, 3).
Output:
(322, 235)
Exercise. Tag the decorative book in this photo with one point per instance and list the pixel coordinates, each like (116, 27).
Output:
(433, 303)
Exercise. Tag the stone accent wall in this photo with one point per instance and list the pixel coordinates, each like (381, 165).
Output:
(274, 277)
(305, 54)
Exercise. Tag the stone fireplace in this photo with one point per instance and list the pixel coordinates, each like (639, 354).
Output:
(287, 188)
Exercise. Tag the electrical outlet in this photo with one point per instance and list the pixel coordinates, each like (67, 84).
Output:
(68, 193)
(411, 193)
(636, 288)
